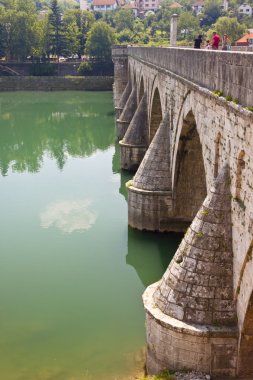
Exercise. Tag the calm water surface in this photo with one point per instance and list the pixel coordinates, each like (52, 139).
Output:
(71, 271)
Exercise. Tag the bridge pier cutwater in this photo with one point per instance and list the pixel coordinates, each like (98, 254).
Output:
(193, 155)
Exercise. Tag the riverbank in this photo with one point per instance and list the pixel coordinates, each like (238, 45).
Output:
(55, 83)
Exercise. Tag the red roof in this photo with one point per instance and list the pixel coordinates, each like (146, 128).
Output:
(198, 3)
(244, 39)
(104, 2)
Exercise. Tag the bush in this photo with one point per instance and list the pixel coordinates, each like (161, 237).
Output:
(95, 68)
(84, 68)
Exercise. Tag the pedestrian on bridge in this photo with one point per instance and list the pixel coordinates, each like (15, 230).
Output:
(215, 41)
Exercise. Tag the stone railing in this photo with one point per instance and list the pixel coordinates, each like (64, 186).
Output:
(229, 72)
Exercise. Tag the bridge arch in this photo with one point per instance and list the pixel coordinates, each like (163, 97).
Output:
(189, 185)
(156, 115)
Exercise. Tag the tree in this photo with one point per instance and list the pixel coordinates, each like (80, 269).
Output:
(188, 25)
(81, 22)
(18, 20)
(212, 12)
(56, 31)
(100, 40)
(231, 27)
(124, 19)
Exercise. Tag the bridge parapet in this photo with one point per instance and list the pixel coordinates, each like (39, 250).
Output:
(228, 72)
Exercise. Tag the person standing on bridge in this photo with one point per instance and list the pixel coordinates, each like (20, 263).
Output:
(198, 42)
(215, 41)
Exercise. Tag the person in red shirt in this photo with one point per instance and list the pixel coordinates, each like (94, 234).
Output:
(215, 41)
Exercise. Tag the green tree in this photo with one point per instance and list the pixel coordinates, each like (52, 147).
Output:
(124, 19)
(212, 12)
(188, 25)
(18, 20)
(56, 30)
(229, 26)
(100, 40)
(81, 22)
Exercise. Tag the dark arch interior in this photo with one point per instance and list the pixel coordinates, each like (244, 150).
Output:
(245, 363)
(156, 115)
(190, 182)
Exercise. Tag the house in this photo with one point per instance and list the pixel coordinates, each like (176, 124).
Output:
(246, 40)
(104, 5)
(198, 7)
(132, 6)
(245, 10)
(84, 5)
(175, 5)
(224, 5)
(144, 6)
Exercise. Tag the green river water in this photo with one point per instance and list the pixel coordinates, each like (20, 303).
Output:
(71, 271)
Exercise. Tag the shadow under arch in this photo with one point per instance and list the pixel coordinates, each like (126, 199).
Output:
(245, 362)
(189, 190)
(156, 114)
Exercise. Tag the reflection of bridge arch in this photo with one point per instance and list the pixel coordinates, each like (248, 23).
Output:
(8, 70)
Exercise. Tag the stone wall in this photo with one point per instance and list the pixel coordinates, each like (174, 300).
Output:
(25, 83)
(229, 72)
(25, 68)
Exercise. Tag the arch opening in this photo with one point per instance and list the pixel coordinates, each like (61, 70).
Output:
(189, 189)
(245, 362)
(156, 115)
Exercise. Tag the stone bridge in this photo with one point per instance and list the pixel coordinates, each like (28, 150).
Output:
(185, 125)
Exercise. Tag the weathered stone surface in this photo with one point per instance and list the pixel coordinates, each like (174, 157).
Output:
(135, 142)
(127, 114)
(197, 289)
(184, 80)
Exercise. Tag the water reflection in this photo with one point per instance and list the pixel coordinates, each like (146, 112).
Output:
(150, 253)
(69, 216)
(57, 124)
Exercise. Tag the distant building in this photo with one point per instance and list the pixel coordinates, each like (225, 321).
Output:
(246, 40)
(245, 10)
(144, 6)
(104, 5)
(175, 5)
(132, 6)
(224, 5)
(198, 7)
(84, 5)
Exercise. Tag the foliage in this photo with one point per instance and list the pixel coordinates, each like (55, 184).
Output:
(124, 19)
(100, 40)
(56, 32)
(84, 68)
(229, 26)
(212, 12)
(125, 36)
(77, 24)
(43, 69)
(90, 68)
(188, 26)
